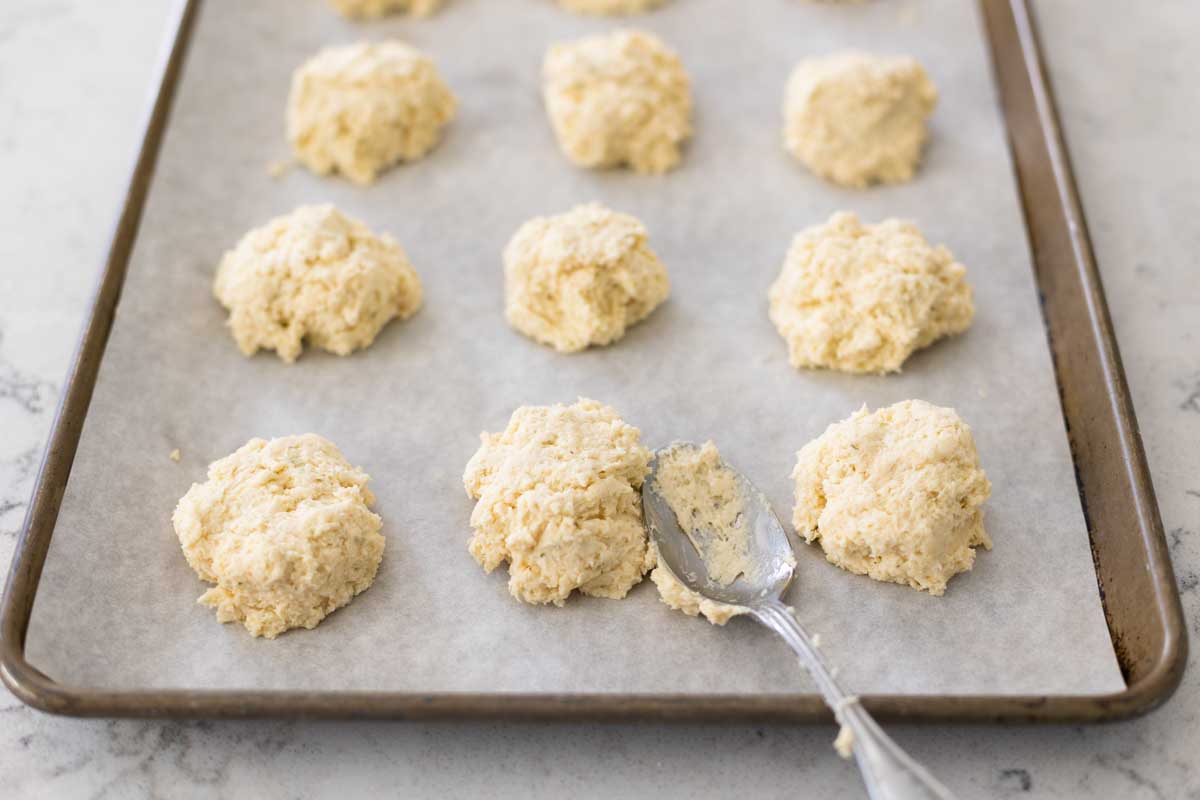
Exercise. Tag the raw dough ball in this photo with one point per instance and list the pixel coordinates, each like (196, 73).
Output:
(895, 494)
(559, 501)
(858, 119)
(709, 505)
(373, 9)
(360, 109)
(610, 7)
(618, 98)
(581, 278)
(284, 530)
(314, 274)
(862, 298)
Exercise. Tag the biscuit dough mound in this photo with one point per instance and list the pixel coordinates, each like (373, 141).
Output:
(359, 109)
(314, 274)
(610, 7)
(618, 98)
(861, 298)
(558, 499)
(581, 278)
(374, 9)
(283, 529)
(857, 119)
(896, 494)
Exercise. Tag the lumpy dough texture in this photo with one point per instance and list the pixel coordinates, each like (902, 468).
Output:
(862, 298)
(362, 108)
(581, 278)
(896, 494)
(314, 275)
(374, 9)
(610, 7)
(858, 119)
(558, 500)
(284, 530)
(618, 98)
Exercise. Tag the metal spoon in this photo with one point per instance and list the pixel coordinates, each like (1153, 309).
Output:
(888, 772)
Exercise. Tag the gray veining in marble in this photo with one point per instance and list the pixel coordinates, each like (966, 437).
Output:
(1126, 85)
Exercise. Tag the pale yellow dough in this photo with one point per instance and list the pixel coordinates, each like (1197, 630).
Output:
(374, 9)
(314, 275)
(284, 530)
(677, 596)
(857, 119)
(896, 494)
(863, 298)
(709, 505)
(581, 278)
(844, 743)
(558, 499)
(610, 7)
(618, 98)
(362, 108)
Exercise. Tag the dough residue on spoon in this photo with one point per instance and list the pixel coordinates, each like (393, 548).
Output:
(844, 743)
(709, 504)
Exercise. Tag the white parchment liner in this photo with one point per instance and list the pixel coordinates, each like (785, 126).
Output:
(116, 606)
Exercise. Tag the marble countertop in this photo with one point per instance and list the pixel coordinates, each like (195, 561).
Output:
(1126, 86)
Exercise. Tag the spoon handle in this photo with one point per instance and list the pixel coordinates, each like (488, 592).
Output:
(888, 772)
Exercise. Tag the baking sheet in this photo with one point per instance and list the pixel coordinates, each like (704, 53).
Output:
(116, 605)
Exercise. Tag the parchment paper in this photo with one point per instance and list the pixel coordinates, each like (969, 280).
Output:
(117, 603)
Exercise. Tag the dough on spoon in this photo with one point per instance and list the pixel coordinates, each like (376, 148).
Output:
(857, 119)
(362, 108)
(284, 529)
(709, 504)
(581, 278)
(314, 275)
(862, 298)
(618, 98)
(896, 494)
(610, 7)
(558, 500)
(374, 9)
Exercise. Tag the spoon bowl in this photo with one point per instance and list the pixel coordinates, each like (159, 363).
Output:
(889, 772)
(768, 551)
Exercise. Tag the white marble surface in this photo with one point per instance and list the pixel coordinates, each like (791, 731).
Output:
(73, 78)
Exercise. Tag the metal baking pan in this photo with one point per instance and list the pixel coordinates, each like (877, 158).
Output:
(1134, 576)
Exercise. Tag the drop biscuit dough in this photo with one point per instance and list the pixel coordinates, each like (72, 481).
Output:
(284, 530)
(857, 119)
(862, 298)
(374, 9)
(314, 275)
(618, 98)
(896, 494)
(362, 108)
(581, 278)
